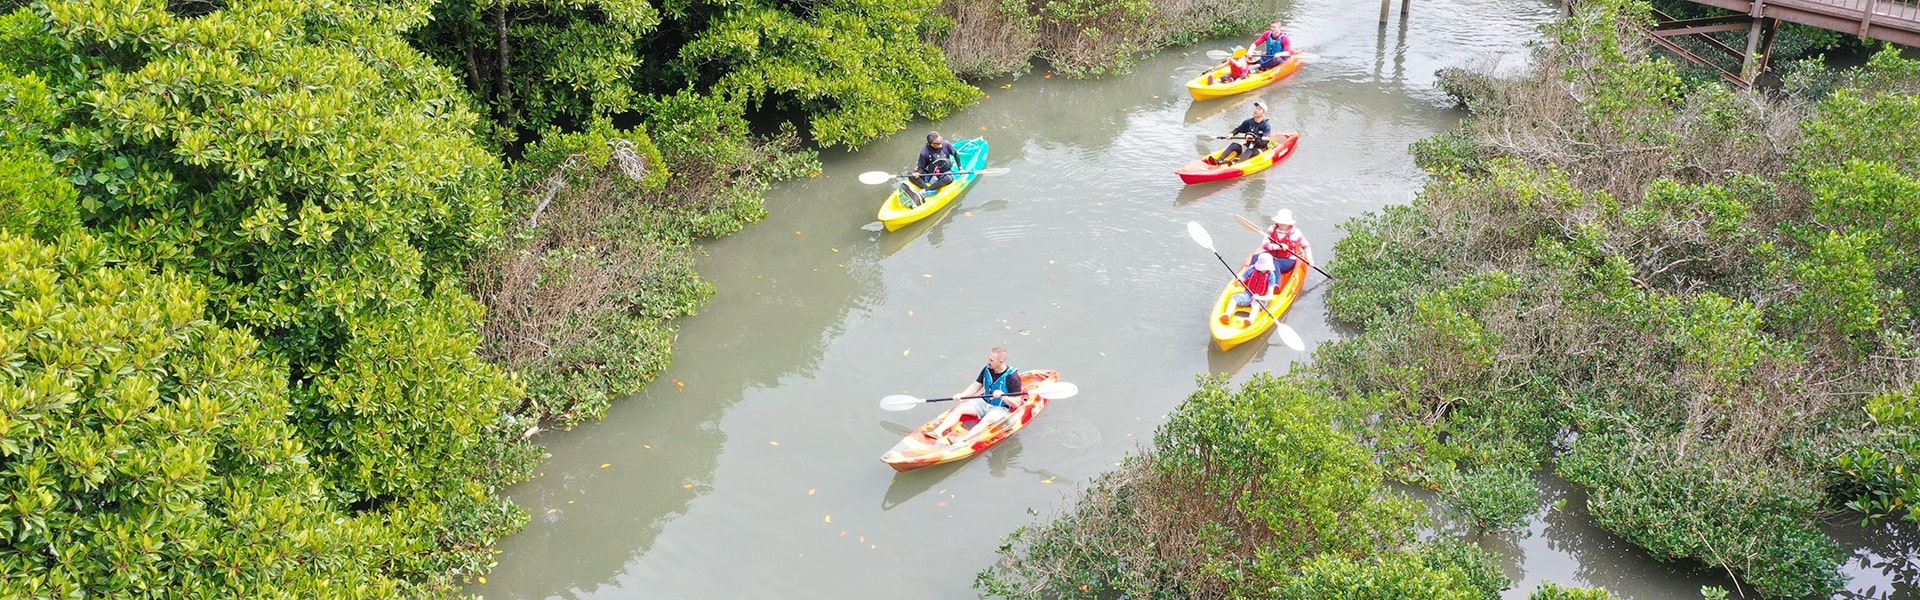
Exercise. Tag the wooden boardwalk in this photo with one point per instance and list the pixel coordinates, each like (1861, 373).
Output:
(1896, 21)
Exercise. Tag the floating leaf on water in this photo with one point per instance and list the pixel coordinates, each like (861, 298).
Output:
(1047, 480)
(863, 539)
(829, 518)
(843, 534)
(836, 249)
(796, 232)
(1007, 86)
(967, 214)
(605, 465)
(483, 579)
(687, 486)
(1049, 76)
(909, 312)
(904, 352)
(810, 492)
(983, 128)
(927, 275)
(569, 502)
(942, 503)
(1103, 354)
(774, 443)
(1026, 332)
(552, 510)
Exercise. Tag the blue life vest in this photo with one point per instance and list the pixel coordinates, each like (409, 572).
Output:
(996, 384)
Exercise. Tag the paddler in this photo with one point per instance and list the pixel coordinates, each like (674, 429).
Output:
(1253, 131)
(1257, 279)
(934, 171)
(1285, 242)
(1273, 47)
(1001, 386)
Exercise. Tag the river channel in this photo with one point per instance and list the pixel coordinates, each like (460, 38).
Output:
(751, 468)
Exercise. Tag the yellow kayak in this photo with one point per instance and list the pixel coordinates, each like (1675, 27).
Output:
(1247, 322)
(1202, 90)
(973, 157)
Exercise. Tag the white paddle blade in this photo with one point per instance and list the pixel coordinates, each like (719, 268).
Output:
(1306, 57)
(1199, 235)
(1057, 389)
(1219, 54)
(875, 177)
(1290, 337)
(995, 171)
(900, 402)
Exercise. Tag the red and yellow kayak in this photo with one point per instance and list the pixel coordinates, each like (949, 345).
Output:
(1247, 322)
(919, 449)
(1201, 171)
(1202, 90)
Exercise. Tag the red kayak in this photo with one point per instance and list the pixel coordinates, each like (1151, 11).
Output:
(1203, 170)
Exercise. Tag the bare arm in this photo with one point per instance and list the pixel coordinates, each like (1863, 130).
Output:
(973, 389)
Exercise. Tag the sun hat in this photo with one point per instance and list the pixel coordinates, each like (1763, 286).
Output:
(1239, 51)
(1284, 217)
(1260, 104)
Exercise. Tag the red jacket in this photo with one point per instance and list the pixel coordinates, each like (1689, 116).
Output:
(1291, 245)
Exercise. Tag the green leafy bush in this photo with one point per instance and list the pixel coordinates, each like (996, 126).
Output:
(1244, 493)
(145, 451)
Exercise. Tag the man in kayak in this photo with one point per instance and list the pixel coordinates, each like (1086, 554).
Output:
(1257, 280)
(1273, 47)
(1253, 131)
(934, 171)
(999, 382)
(1284, 242)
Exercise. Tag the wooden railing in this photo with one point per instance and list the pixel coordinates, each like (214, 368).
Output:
(1896, 21)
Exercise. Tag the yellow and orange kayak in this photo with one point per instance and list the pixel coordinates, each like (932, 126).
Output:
(920, 449)
(1280, 147)
(1248, 322)
(1202, 90)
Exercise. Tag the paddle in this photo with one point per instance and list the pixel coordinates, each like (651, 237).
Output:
(1303, 57)
(1257, 229)
(1052, 390)
(1287, 334)
(879, 177)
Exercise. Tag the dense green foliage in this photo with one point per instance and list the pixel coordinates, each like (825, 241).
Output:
(1676, 295)
(1245, 493)
(306, 180)
(848, 71)
(146, 451)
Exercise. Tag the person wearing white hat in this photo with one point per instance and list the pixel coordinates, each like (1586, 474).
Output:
(1284, 242)
(1257, 281)
(1255, 131)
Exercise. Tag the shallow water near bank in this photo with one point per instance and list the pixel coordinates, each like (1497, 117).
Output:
(751, 467)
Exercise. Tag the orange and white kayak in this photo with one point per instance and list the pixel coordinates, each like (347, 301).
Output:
(1203, 170)
(1247, 322)
(920, 449)
(1209, 85)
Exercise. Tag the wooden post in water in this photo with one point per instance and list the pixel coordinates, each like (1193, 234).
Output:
(1387, 5)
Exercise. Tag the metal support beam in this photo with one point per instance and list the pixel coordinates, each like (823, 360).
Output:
(1702, 29)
